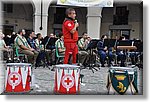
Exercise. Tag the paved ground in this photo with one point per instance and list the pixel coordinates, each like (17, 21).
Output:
(94, 83)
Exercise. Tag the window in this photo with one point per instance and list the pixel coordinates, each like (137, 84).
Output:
(121, 16)
(8, 8)
(121, 10)
(59, 15)
(125, 33)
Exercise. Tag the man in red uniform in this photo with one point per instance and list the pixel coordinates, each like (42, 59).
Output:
(70, 35)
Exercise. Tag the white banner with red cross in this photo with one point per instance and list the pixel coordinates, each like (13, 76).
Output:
(67, 79)
(17, 77)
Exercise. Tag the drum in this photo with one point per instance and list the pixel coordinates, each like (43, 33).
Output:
(67, 79)
(17, 77)
(122, 80)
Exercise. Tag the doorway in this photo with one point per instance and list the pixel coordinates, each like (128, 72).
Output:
(8, 29)
(116, 33)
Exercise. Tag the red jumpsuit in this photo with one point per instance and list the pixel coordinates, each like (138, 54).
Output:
(70, 41)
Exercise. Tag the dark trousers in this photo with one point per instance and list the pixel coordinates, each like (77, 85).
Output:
(103, 56)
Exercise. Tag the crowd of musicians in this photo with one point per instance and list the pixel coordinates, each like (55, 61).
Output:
(41, 50)
(67, 45)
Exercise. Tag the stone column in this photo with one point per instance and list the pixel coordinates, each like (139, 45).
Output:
(37, 16)
(1, 56)
(1, 21)
(94, 22)
(2, 76)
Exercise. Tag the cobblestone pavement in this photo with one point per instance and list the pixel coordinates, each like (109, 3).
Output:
(93, 83)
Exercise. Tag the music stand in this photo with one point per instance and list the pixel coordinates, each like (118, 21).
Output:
(92, 45)
(124, 43)
(109, 43)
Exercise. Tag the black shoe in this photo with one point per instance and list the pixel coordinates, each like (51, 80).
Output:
(122, 65)
(109, 65)
(102, 65)
(52, 69)
(81, 75)
(8, 61)
(37, 65)
(85, 65)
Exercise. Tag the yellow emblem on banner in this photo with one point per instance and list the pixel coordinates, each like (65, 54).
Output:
(120, 77)
(63, 1)
(121, 87)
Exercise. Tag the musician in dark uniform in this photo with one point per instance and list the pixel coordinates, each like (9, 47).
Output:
(103, 51)
(121, 54)
(134, 54)
(49, 45)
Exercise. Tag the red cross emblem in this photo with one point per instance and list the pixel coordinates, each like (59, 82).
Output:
(68, 81)
(14, 79)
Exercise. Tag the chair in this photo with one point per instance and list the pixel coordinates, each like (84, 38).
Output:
(57, 55)
(18, 55)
